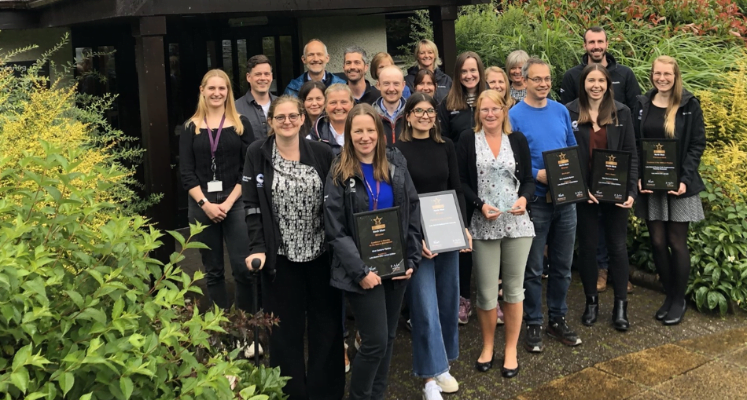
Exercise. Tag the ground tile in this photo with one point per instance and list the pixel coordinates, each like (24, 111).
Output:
(739, 357)
(718, 344)
(715, 380)
(589, 384)
(649, 395)
(653, 366)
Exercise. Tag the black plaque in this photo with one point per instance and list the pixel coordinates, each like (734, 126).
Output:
(610, 173)
(380, 241)
(442, 222)
(660, 164)
(564, 176)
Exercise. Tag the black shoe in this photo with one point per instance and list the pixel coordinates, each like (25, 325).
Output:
(674, 316)
(509, 373)
(591, 311)
(662, 312)
(533, 339)
(484, 367)
(620, 315)
(559, 329)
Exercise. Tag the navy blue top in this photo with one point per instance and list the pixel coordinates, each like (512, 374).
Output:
(385, 195)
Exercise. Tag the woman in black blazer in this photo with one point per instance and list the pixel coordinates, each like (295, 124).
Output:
(600, 122)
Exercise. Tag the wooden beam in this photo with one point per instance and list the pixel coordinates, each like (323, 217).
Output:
(150, 60)
(444, 35)
(16, 19)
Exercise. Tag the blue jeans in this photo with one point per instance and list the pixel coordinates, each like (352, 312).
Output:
(434, 314)
(560, 223)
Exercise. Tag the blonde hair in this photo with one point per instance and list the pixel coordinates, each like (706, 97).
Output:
(507, 95)
(349, 165)
(274, 105)
(376, 60)
(338, 87)
(231, 114)
(498, 100)
(516, 58)
(432, 47)
(674, 100)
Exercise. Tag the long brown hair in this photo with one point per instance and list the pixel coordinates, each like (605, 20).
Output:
(675, 98)
(349, 165)
(274, 105)
(456, 99)
(231, 114)
(607, 113)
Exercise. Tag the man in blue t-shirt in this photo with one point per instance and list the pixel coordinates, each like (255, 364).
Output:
(547, 126)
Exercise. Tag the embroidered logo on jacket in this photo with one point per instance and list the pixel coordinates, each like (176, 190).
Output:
(260, 180)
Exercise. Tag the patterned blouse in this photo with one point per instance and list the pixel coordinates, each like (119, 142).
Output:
(518, 95)
(297, 194)
(497, 186)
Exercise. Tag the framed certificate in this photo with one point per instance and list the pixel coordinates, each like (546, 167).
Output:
(380, 241)
(610, 172)
(442, 222)
(564, 177)
(660, 164)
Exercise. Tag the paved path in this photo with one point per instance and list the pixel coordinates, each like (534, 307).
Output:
(590, 362)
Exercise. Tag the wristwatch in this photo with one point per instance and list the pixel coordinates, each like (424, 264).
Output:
(202, 202)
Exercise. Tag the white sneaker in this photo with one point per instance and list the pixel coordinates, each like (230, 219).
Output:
(249, 351)
(432, 391)
(447, 383)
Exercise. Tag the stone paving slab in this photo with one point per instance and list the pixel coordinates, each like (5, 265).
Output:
(715, 380)
(653, 366)
(717, 344)
(589, 384)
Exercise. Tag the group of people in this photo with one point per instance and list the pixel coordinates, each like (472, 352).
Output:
(280, 180)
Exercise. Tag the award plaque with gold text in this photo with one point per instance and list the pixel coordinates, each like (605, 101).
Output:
(564, 176)
(660, 164)
(442, 222)
(610, 172)
(380, 241)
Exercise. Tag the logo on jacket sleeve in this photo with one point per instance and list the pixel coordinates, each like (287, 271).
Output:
(260, 180)
(640, 114)
(574, 125)
(245, 178)
(352, 185)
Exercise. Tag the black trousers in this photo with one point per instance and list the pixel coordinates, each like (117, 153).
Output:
(465, 275)
(614, 221)
(376, 316)
(300, 295)
(233, 231)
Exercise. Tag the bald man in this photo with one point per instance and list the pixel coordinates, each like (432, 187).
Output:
(315, 58)
(391, 83)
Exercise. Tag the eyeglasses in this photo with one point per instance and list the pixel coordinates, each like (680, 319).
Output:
(281, 118)
(419, 112)
(539, 80)
(494, 110)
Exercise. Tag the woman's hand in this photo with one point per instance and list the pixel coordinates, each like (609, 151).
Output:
(592, 199)
(214, 212)
(407, 275)
(628, 203)
(520, 207)
(489, 212)
(640, 189)
(226, 206)
(427, 253)
(370, 281)
(469, 242)
(258, 256)
(683, 189)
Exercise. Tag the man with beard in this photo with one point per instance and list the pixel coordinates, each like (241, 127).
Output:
(624, 85)
(315, 57)
(391, 83)
(256, 102)
(355, 66)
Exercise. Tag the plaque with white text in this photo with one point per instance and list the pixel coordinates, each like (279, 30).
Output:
(380, 241)
(660, 164)
(564, 176)
(610, 172)
(442, 222)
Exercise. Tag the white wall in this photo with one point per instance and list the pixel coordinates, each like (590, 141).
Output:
(368, 32)
(45, 39)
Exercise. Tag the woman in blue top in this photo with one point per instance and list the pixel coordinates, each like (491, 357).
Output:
(368, 176)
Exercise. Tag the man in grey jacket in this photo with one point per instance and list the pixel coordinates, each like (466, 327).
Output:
(255, 104)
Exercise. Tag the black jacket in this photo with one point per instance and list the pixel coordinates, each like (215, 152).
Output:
(689, 130)
(370, 95)
(342, 201)
(443, 81)
(321, 132)
(467, 159)
(620, 137)
(624, 85)
(248, 107)
(456, 123)
(256, 190)
(392, 127)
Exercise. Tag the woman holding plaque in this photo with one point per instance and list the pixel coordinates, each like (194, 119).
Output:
(433, 293)
(602, 123)
(457, 117)
(367, 176)
(496, 173)
(668, 111)
(283, 189)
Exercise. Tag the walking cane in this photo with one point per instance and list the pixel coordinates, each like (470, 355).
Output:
(255, 274)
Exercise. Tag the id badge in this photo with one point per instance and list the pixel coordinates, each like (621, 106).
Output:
(215, 186)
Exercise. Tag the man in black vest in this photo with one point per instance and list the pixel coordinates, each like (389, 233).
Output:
(256, 102)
